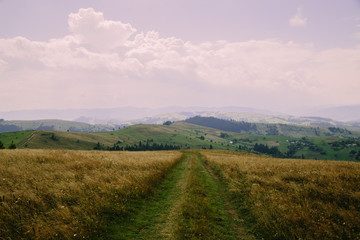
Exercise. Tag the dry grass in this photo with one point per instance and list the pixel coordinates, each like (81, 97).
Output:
(293, 199)
(47, 194)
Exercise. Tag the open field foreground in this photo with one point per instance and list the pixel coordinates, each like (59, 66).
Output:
(292, 199)
(53, 194)
(193, 194)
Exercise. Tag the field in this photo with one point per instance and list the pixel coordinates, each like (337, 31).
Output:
(292, 199)
(15, 137)
(49, 194)
(192, 194)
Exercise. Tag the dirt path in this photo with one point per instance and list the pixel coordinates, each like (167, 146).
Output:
(156, 216)
(189, 204)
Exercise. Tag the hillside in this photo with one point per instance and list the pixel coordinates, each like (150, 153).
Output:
(64, 140)
(271, 129)
(181, 134)
(53, 125)
(248, 117)
(189, 136)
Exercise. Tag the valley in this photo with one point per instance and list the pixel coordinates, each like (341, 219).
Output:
(277, 140)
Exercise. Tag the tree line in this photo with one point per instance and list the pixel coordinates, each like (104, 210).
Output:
(147, 146)
(11, 146)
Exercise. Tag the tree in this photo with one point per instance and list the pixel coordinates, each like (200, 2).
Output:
(12, 145)
(2, 145)
(167, 123)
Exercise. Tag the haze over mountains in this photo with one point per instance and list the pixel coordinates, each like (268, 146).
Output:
(156, 115)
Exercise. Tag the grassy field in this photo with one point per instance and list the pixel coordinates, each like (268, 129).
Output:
(16, 137)
(65, 140)
(179, 133)
(56, 194)
(192, 194)
(292, 199)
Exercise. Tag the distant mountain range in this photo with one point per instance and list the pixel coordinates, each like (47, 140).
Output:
(342, 113)
(101, 120)
(135, 114)
(112, 115)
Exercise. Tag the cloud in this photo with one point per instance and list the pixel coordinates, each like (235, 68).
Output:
(98, 33)
(298, 20)
(125, 68)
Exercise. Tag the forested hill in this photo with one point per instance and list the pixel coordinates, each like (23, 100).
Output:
(225, 125)
(271, 129)
(52, 125)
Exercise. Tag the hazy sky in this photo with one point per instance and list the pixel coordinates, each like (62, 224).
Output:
(275, 55)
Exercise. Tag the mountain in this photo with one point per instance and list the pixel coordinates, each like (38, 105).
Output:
(271, 129)
(113, 115)
(341, 113)
(55, 125)
(248, 117)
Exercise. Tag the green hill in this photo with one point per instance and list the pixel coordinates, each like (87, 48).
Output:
(51, 125)
(272, 129)
(190, 136)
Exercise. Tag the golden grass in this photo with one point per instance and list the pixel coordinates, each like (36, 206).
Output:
(62, 194)
(293, 199)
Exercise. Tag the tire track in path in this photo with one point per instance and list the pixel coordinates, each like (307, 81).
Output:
(190, 203)
(156, 216)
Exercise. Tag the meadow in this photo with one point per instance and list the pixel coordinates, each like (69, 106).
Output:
(188, 194)
(61, 194)
(289, 198)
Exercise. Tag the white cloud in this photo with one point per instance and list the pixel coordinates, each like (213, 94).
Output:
(149, 69)
(98, 33)
(298, 20)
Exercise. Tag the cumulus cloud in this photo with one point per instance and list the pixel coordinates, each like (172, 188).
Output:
(98, 33)
(145, 68)
(298, 20)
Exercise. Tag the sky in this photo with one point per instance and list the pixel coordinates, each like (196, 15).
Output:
(277, 55)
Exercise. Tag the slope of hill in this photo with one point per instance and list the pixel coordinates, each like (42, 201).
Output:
(181, 134)
(248, 117)
(271, 129)
(189, 136)
(64, 140)
(14, 137)
(54, 125)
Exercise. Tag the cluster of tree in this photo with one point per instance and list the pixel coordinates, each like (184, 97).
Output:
(355, 155)
(221, 124)
(224, 135)
(338, 145)
(147, 146)
(151, 147)
(273, 151)
(339, 130)
(167, 123)
(272, 130)
(11, 146)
